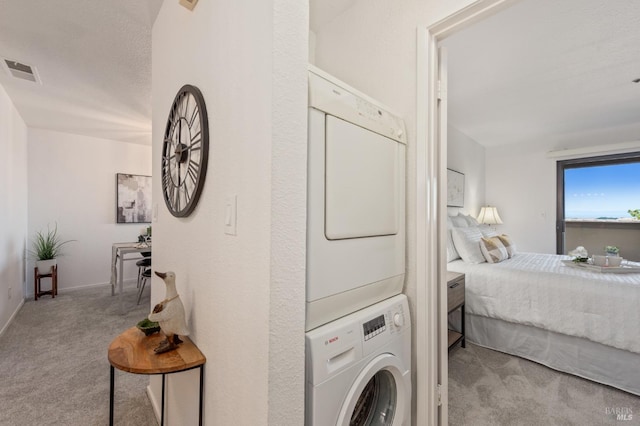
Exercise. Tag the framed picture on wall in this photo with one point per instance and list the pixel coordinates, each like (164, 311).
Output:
(455, 189)
(133, 198)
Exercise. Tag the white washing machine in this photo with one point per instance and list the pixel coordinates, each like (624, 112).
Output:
(355, 201)
(358, 368)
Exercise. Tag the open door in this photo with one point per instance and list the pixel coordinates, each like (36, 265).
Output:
(431, 343)
(431, 227)
(441, 147)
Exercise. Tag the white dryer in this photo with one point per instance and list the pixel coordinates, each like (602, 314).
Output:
(355, 201)
(358, 368)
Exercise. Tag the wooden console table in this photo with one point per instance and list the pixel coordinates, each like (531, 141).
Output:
(132, 352)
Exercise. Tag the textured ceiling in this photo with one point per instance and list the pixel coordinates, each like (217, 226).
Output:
(552, 72)
(541, 71)
(93, 58)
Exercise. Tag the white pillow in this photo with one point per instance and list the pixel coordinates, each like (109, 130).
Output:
(452, 253)
(493, 250)
(508, 244)
(459, 221)
(467, 243)
(471, 221)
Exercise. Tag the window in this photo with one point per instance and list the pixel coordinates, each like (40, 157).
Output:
(597, 189)
(602, 192)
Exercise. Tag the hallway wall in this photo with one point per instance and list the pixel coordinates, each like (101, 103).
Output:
(72, 183)
(13, 211)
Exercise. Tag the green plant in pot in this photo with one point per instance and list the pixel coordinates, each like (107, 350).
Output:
(611, 250)
(47, 246)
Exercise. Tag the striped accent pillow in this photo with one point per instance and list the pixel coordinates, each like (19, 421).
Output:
(508, 244)
(493, 249)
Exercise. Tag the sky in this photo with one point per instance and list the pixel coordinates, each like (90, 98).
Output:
(602, 191)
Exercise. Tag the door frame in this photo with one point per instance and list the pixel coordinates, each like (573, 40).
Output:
(431, 163)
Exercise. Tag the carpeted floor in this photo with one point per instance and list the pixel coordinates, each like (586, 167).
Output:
(487, 387)
(54, 371)
(53, 361)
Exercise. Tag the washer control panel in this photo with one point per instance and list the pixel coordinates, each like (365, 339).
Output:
(374, 327)
(379, 329)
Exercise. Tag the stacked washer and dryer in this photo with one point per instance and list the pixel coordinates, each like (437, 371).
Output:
(358, 340)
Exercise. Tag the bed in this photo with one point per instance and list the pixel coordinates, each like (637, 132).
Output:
(572, 319)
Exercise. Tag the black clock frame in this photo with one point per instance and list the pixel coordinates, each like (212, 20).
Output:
(175, 152)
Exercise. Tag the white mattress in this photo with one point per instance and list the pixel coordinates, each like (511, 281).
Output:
(540, 291)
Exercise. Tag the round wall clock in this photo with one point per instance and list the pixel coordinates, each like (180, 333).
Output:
(185, 151)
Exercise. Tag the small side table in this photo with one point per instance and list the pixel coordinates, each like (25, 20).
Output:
(455, 300)
(132, 352)
(37, 277)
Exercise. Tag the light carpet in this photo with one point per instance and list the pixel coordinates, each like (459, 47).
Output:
(487, 387)
(53, 361)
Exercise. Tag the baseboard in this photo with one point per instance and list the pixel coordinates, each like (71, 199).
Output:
(11, 318)
(154, 404)
(86, 286)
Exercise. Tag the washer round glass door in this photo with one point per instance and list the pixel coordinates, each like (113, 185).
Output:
(379, 396)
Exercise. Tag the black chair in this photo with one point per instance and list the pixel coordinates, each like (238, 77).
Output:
(146, 275)
(143, 264)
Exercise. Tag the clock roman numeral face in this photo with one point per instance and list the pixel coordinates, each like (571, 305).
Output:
(185, 152)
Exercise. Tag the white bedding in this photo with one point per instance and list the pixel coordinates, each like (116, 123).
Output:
(539, 290)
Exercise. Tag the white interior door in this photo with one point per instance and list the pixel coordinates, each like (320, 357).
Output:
(431, 135)
(430, 342)
(443, 345)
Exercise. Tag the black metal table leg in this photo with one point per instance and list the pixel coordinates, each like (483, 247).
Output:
(201, 389)
(112, 383)
(162, 412)
(462, 328)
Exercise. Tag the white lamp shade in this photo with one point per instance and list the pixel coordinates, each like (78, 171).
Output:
(489, 216)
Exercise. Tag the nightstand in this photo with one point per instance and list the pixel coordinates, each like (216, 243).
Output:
(455, 300)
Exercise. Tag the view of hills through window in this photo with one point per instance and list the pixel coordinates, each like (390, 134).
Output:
(602, 192)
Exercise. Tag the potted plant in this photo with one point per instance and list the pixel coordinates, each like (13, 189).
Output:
(46, 248)
(611, 250)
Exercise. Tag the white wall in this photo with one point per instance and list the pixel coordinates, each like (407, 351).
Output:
(13, 214)
(72, 182)
(521, 182)
(244, 294)
(372, 47)
(290, 52)
(467, 156)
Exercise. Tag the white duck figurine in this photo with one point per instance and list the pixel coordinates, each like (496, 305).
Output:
(169, 314)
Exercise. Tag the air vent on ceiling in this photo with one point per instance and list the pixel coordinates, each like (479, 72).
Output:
(22, 71)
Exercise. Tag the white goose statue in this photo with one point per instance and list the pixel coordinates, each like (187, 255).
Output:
(169, 314)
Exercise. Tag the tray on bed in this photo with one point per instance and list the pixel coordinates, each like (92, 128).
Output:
(624, 269)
